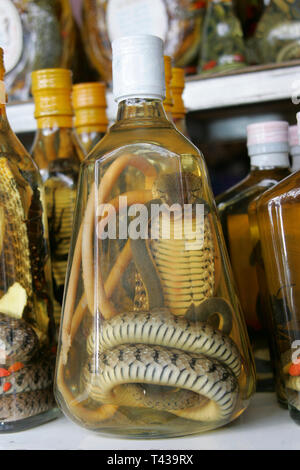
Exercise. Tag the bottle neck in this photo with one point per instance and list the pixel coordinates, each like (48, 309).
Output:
(143, 110)
(269, 161)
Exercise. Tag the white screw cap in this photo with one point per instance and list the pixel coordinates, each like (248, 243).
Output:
(138, 68)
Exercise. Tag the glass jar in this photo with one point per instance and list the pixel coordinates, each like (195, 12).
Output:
(153, 343)
(269, 164)
(278, 32)
(57, 154)
(278, 221)
(222, 45)
(89, 103)
(27, 333)
(294, 147)
(177, 22)
(35, 34)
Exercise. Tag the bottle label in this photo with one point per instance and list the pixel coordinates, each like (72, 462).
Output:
(2, 93)
(11, 34)
(129, 17)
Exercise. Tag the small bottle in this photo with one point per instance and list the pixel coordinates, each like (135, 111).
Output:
(153, 343)
(168, 102)
(294, 147)
(89, 103)
(278, 221)
(269, 156)
(57, 154)
(178, 109)
(27, 333)
(222, 46)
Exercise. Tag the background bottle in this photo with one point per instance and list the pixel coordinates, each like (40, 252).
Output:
(57, 154)
(121, 276)
(268, 150)
(27, 333)
(89, 103)
(278, 221)
(168, 102)
(178, 109)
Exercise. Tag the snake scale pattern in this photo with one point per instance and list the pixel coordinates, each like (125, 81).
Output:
(25, 379)
(169, 357)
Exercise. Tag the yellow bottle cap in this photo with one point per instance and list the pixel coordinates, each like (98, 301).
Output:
(177, 87)
(168, 103)
(89, 102)
(51, 89)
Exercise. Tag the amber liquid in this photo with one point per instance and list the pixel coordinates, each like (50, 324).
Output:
(57, 154)
(27, 333)
(278, 218)
(233, 207)
(122, 279)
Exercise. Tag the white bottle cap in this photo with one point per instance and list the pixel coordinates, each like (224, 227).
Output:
(268, 143)
(138, 68)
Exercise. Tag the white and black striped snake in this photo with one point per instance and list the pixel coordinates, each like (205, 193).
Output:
(167, 346)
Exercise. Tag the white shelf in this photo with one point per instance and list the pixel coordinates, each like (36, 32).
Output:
(264, 426)
(250, 86)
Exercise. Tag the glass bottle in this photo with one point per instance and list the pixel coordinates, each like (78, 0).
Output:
(278, 32)
(278, 220)
(27, 336)
(168, 102)
(35, 34)
(294, 147)
(178, 22)
(89, 103)
(222, 45)
(178, 109)
(57, 153)
(268, 150)
(145, 306)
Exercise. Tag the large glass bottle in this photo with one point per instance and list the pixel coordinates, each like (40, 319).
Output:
(278, 221)
(177, 22)
(152, 342)
(269, 155)
(178, 109)
(89, 103)
(35, 34)
(222, 45)
(294, 148)
(57, 153)
(27, 334)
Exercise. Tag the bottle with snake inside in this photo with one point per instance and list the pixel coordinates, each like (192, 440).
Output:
(269, 159)
(153, 343)
(278, 222)
(27, 332)
(57, 152)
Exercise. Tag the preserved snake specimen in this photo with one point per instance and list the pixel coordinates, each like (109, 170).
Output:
(172, 352)
(26, 367)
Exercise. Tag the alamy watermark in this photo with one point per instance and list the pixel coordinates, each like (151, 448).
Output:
(152, 221)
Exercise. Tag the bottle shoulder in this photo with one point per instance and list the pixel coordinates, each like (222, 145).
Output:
(167, 138)
(286, 191)
(241, 195)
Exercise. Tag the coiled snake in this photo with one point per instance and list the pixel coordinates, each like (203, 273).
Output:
(164, 354)
(25, 377)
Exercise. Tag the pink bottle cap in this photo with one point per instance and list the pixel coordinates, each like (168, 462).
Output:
(272, 132)
(294, 136)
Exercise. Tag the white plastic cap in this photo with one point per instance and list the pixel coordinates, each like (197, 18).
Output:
(268, 137)
(293, 136)
(138, 67)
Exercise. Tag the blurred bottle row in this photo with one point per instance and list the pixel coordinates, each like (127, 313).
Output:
(206, 36)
